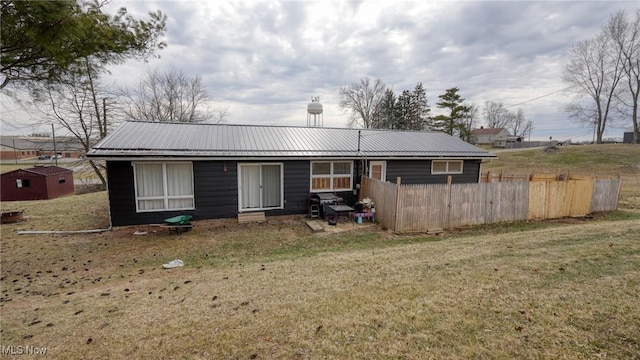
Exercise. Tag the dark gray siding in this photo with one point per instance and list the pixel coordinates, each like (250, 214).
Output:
(296, 188)
(419, 172)
(216, 188)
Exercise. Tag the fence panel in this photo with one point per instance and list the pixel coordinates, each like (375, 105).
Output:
(383, 195)
(537, 200)
(422, 207)
(578, 197)
(507, 201)
(412, 208)
(605, 195)
(468, 203)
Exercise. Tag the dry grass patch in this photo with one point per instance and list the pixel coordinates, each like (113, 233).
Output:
(275, 290)
(557, 289)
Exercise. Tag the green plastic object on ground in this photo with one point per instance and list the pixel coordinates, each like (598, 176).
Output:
(179, 220)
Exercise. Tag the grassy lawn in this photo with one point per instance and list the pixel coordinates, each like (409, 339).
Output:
(566, 288)
(558, 289)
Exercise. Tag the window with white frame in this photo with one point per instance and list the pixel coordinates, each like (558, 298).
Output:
(163, 186)
(331, 175)
(446, 167)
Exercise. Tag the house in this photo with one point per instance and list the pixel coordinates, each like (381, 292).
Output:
(497, 137)
(159, 170)
(36, 183)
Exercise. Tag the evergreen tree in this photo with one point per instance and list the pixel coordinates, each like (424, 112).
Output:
(402, 111)
(453, 123)
(387, 111)
(419, 114)
(42, 42)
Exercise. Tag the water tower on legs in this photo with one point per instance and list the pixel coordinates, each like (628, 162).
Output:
(314, 111)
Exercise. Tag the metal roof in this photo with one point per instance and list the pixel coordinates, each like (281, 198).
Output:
(43, 170)
(135, 139)
(487, 131)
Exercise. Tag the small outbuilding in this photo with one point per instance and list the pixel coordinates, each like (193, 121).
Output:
(628, 136)
(36, 183)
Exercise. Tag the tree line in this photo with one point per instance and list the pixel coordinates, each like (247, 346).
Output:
(604, 76)
(374, 105)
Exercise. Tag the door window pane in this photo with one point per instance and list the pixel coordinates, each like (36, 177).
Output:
(271, 186)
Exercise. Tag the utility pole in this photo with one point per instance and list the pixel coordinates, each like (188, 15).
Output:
(103, 130)
(15, 154)
(55, 151)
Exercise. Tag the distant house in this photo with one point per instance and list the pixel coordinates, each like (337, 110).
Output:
(496, 137)
(159, 170)
(628, 136)
(37, 183)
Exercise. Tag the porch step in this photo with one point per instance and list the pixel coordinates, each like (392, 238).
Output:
(314, 225)
(251, 217)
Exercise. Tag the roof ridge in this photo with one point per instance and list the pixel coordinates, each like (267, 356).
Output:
(279, 126)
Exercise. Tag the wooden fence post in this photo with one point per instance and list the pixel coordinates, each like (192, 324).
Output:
(449, 180)
(397, 225)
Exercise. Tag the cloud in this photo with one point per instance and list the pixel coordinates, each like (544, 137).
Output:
(266, 59)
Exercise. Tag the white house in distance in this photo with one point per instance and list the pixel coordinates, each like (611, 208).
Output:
(496, 137)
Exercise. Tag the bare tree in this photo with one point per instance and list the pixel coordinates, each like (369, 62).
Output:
(518, 125)
(468, 122)
(624, 34)
(363, 100)
(496, 115)
(170, 97)
(595, 69)
(77, 104)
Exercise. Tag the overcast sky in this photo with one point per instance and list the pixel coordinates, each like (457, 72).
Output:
(265, 60)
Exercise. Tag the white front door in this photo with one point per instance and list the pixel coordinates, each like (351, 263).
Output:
(378, 170)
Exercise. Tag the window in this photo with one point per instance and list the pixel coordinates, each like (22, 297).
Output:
(61, 180)
(331, 175)
(23, 183)
(260, 186)
(446, 167)
(377, 170)
(163, 186)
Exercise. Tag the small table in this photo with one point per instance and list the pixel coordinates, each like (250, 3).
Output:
(340, 211)
(359, 215)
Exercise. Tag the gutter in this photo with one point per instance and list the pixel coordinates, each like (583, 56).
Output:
(282, 158)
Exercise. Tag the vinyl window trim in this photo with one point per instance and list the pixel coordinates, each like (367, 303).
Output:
(447, 170)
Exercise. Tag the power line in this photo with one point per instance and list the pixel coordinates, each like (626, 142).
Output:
(543, 96)
(555, 92)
